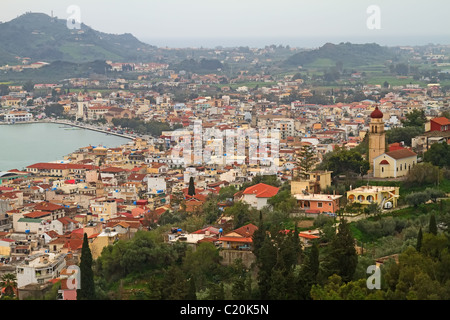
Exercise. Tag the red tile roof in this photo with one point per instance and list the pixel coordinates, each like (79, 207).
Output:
(401, 153)
(247, 230)
(441, 121)
(236, 239)
(60, 166)
(47, 206)
(262, 190)
(37, 214)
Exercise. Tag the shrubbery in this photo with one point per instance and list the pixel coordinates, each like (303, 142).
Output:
(381, 228)
(417, 198)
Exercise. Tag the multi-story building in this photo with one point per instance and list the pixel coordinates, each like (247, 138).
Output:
(382, 195)
(18, 116)
(39, 268)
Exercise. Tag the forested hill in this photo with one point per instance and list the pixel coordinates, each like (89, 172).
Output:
(40, 37)
(346, 53)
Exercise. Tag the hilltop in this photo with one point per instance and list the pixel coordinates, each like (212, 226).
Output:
(347, 53)
(40, 37)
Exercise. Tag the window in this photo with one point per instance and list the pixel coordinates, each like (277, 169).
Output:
(319, 204)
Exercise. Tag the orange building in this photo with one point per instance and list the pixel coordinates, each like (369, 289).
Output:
(318, 203)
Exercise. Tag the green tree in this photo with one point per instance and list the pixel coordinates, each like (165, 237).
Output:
(344, 161)
(242, 214)
(343, 257)
(417, 198)
(227, 193)
(191, 188)
(306, 160)
(211, 209)
(174, 284)
(4, 90)
(403, 134)
(192, 292)
(266, 261)
(28, 86)
(309, 272)
(336, 289)
(216, 291)
(56, 110)
(8, 282)
(258, 236)
(432, 226)
(434, 194)
(438, 155)
(423, 174)
(283, 201)
(419, 240)
(203, 265)
(416, 118)
(87, 287)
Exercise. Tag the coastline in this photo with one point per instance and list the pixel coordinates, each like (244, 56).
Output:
(70, 123)
(6, 162)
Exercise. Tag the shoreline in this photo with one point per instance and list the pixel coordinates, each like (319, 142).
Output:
(69, 123)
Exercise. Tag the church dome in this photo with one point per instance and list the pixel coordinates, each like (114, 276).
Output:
(376, 114)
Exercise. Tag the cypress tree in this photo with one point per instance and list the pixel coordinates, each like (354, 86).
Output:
(308, 276)
(192, 293)
(419, 240)
(191, 189)
(87, 287)
(258, 236)
(266, 261)
(343, 257)
(313, 261)
(432, 227)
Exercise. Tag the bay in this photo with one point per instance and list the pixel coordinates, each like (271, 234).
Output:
(22, 145)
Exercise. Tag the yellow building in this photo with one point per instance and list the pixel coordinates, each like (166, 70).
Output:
(315, 182)
(377, 136)
(386, 197)
(394, 164)
(5, 247)
(100, 241)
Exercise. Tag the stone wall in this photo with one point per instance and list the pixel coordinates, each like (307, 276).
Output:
(229, 256)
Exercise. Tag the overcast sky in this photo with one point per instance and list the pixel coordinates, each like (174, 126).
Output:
(178, 23)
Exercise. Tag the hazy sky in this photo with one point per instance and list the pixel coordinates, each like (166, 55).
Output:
(254, 22)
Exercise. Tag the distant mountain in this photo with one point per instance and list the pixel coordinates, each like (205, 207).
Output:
(59, 70)
(347, 53)
(41, 37)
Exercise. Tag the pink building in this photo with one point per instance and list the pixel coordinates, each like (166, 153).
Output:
(318, 203)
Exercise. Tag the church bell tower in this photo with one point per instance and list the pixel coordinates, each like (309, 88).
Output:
(377, 136)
